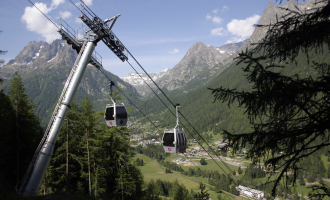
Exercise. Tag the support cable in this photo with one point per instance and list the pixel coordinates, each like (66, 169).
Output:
(152, 90)
(43, 14)
(159, 97)
(173, 115)
(181, 115)
(149, 119)
(225, 164)
(130, 101)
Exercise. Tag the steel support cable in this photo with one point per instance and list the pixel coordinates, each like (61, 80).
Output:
(149, 77)
(169, 100)
(207, 144)
(180, 123)
(230, 171)
(88, 8)
(173, 115)
(137, 73)
(145, 115)
(131, 101)
(206, 176)
(179, 112)
(164, 103)
(225, 164)
(151, 88)
(43, 14)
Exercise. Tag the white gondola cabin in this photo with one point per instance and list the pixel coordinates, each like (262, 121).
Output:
(115, 114)
(175, 140)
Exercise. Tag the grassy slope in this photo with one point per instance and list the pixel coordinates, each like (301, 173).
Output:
(151, 170)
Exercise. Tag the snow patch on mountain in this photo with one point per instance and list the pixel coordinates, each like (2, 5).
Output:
(137, 79)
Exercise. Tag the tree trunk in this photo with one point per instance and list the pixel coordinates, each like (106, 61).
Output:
(67, 156)
(89, 166)
(97, 168)
(108, 184)
(17, 147)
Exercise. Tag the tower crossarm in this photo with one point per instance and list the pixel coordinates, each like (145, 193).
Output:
(104, 33)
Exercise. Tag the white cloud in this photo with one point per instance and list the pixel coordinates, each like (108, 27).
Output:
(218, 31)
(36, 22)
(224, 8)
(215, 10)
(216, 20)
(88, 2)
(56, 3)
(174, 51)
(77, 20)
(244, 27)
(65, 14)
(234, 40)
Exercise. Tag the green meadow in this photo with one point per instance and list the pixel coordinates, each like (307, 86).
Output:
(151, 170)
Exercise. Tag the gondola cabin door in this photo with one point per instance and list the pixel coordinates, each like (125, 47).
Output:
(170, 141)
(115, 115)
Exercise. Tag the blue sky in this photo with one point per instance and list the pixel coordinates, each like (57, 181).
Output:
(157, 32)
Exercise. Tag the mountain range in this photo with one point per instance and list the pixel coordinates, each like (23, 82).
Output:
(44, 69)
(200, 63)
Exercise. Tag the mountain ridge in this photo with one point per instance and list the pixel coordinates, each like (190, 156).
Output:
(201, 62)
(44, 69)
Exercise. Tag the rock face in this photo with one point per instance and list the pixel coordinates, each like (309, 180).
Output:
(230, 48)
(44, 69)
(269, 16)
(200, 63)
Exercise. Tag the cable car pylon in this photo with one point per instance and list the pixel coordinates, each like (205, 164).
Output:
(99, 30)
(175, 140)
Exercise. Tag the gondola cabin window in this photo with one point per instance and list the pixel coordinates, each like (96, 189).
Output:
(121, 112)
(168, 139)
(109, 114)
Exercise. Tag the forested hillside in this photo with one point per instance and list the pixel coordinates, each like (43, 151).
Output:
(198, 105)
(44, 69)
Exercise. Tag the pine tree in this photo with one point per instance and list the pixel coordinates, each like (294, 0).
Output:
(288, 111)
(1, 60)
(203, 161)
(27, 126)
(203, 194)
(7, 149)
(151, 191)
(240, 171)
(66, 165)
(88, 121)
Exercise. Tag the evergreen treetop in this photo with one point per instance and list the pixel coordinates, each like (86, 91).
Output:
(288, 112)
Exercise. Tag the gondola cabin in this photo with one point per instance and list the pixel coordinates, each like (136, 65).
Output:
(175, 140)
(115, 115)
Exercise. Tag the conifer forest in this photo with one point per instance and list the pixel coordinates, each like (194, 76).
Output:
(258, 128)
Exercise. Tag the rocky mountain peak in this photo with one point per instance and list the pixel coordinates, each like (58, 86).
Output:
(29, 52)
(229, 48)
(291, 4)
